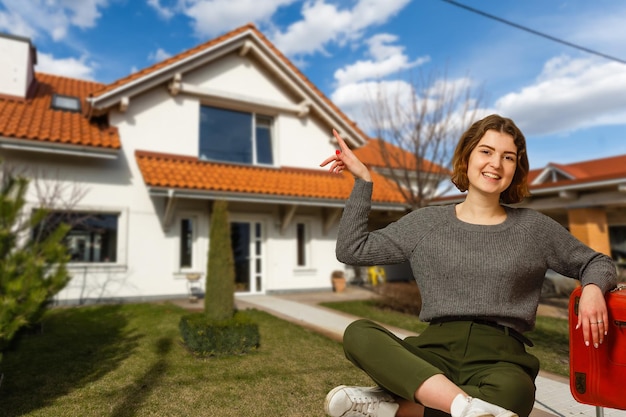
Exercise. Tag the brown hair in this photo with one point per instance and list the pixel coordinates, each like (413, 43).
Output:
(519, 185)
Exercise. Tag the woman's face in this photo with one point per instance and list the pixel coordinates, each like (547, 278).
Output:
(492, 163)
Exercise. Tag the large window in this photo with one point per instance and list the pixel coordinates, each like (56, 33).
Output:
(232, 136)
(92, 237)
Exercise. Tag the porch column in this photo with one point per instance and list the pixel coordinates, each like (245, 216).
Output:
(591, 227)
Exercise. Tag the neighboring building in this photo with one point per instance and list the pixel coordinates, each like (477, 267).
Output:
(230, 119)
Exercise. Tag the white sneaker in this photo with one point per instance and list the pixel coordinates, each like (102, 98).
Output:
(479, 408)
(343, 401)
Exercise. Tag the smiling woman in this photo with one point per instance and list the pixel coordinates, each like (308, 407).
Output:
(479, 266)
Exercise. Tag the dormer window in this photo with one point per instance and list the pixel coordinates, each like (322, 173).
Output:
(65, 103)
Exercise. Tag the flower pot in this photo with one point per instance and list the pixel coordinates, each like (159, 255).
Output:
(339, 284)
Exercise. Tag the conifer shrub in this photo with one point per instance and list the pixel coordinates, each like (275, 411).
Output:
(32, 261)
(220, 330)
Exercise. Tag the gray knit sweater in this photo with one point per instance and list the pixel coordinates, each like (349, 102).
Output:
(463, 269)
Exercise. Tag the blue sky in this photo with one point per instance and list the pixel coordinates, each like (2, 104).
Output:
(571, 104)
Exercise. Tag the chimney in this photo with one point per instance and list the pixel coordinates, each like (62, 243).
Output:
(17, 61)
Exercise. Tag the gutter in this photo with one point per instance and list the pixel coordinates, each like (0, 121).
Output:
(171, 193)
(61, 149)
(619, 182)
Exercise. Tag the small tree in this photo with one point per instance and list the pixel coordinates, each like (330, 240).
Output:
(220, 330)
(219, 302)
(32, 263)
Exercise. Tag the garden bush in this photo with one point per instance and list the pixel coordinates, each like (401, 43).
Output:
(232, 336)
(404, 297)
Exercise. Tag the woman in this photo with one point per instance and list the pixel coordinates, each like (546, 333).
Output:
(479, 266)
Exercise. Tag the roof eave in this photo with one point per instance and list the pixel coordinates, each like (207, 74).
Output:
(619, 181)
(261, 198)
(55, 148)
(165, 74)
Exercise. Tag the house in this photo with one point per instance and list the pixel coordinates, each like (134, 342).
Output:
(134, 165)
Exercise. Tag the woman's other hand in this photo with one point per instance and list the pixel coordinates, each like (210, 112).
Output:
(344, 158)
(593, 316)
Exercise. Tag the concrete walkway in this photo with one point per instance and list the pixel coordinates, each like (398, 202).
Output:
(553, 394)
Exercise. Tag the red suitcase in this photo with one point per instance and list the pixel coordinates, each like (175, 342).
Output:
(598, 376)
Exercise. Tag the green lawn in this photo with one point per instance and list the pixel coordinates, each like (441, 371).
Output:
(127, 360)
(550, 336)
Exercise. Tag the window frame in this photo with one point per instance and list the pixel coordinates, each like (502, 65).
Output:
(258, 120)
(56, 105)
(77, 234)
(303, 244)
(195, 261)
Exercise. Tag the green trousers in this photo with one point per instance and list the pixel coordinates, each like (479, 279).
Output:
(482, 360)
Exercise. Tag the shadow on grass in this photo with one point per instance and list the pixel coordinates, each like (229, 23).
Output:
(134, 398)
(78, 346)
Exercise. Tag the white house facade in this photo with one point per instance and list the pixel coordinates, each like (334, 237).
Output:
(136, 164)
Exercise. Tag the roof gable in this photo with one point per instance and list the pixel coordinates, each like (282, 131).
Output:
(551, 173)
(243, 41)
(578, 172)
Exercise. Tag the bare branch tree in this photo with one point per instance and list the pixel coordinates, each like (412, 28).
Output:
(417, 125)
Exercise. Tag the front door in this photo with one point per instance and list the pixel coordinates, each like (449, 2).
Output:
(246, 240)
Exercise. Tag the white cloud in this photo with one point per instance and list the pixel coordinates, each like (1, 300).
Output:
(213, 17)
(387, 59)
(569, 94)
(67, 67)
(323, 23)
(358, 100)
(52, 17)
(164, 12)
(14, 23)
(354, 98)
(159, 55)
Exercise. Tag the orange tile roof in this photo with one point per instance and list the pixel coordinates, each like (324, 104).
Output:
(190, 173)
(372, 155)
(35, 120)
(602, 169)
(219, 40)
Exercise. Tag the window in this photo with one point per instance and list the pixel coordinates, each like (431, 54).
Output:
(67, 103)
(92, 237)
(186, 243)
(233, 136)
(301, 237)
